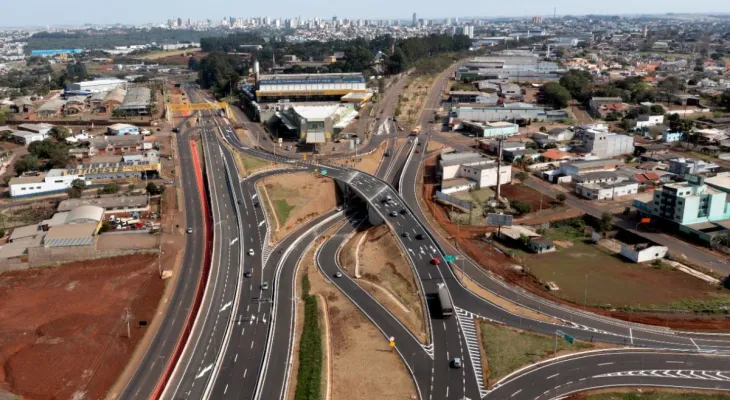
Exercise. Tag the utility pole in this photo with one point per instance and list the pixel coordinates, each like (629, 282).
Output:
(499, 166)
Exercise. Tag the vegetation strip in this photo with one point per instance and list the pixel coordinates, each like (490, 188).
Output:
(309, 374)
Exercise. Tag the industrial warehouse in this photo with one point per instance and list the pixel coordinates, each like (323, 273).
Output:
(308, 87)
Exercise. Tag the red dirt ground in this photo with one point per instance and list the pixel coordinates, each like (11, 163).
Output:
(470, 242)
(61, 329)
(528, 195)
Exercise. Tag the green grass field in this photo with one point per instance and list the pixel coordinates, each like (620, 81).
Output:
(657, 396)
(283, 209)
(252, 164)
(508, 350)
(608, 280)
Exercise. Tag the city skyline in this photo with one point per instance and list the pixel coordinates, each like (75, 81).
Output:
(137, 12)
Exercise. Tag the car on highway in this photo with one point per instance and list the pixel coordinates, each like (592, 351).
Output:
(405, 234)
(403, 211)
(256, 204)
(456, 363)
(190, 230)
(419, 236)
(176, 130)
(265, 285)
(435, 261)
(247, 274)
(338, 274)
(387, 153)
(250, 252)
(393, 213)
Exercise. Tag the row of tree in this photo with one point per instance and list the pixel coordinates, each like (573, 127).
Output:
(104, 40)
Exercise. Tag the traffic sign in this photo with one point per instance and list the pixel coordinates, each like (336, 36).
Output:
(450, 258)
(565, 336)
(323, 172)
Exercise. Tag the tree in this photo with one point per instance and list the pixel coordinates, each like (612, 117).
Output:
(2, 118)
(105, 227)
(79, 184)
(556, 95)
(522, 176)
(577, 82)
(670, 86)
(605, 224)
(657, 109)
(725, 100)
(154, 190)
(109, 188)
(677, 124)
(521, 208)
(561, 197)
(25, 164)
(59, 133)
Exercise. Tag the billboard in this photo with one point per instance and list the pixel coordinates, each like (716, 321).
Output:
(499, 219)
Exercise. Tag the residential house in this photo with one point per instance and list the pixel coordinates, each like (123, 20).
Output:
(540, 245)
(605, 190)
(685, 166)
(597, 102)
(669, 136)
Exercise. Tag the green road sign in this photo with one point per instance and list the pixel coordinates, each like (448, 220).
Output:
(565, 336)
(450, 258)
(323, 172)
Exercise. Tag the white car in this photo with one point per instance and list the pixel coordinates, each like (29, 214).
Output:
(250, 252)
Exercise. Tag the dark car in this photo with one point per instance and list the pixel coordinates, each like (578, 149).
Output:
(247, 274)
(419, 236)
(393, 214)
(176, 130)
(405, 234)
(404, 211)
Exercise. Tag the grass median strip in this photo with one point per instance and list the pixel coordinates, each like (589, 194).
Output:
(509, 349)
(309, 375)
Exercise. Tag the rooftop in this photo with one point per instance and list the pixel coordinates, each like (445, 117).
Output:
(315, 112)
(104, 202)
(71, 235)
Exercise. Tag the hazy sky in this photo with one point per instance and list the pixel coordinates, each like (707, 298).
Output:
(54, 12)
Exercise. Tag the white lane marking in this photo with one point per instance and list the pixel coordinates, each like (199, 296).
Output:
(225, 306)
(693, 342)
(244, 372)
(261, 223)
(606, 363)
(675, 362)
(552, 376)
(225, 389)
(516, 393)
(204, 371)
(254, 195)
(235, 358)
(631, 335)
(234, 241)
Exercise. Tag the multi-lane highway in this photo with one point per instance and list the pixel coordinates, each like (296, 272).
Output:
(146, 378)
(241, 343)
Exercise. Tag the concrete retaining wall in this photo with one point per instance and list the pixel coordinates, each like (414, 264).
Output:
(49, 256)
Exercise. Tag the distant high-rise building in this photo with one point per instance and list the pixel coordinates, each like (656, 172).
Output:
(537, 20)
(447, 21)
(415, 20)
(468, 30)
(179, 21)
(170, 23)
(646, 30)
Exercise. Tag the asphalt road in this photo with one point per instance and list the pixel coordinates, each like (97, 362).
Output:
(146, 378)
(616, 369)
(198, 360)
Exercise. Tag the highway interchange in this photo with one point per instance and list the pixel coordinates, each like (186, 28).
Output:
(241, 342)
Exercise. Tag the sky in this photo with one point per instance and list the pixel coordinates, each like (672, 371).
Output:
(78, 12)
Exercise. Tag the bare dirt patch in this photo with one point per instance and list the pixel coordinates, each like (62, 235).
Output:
(367, 163)
(528, 195)
(355, 343)
(387, 276)
(296, 198)
(61, 331)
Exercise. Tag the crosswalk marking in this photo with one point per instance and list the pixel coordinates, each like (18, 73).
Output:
(466, 321)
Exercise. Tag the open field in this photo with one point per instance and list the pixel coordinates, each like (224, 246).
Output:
(386, 275)
(651, 394)
(61, 331)
(530, 196)
(362, 366)
(509, 349)
(587, 273)
(156, 55)
(296, 198)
